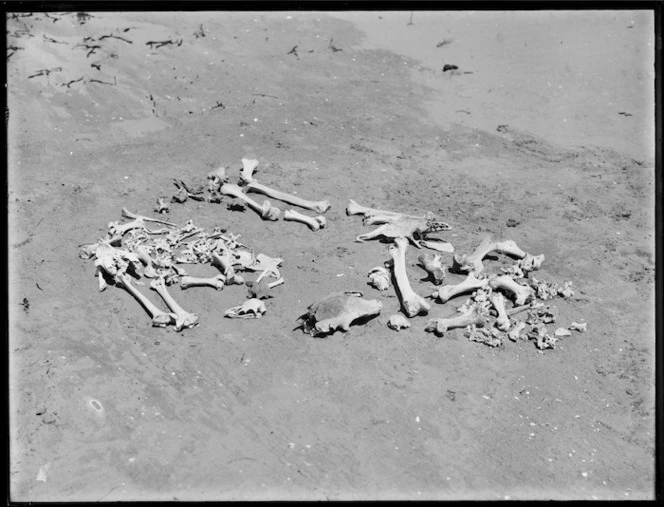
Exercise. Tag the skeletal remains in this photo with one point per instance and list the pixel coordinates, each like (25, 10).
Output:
(412, 304)
(337, 311)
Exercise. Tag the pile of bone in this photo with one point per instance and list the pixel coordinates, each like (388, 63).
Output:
(132, 251)
(216, 187)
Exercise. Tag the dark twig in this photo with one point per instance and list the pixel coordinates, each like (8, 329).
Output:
(264, 95)
(158, 44)
(68, 85)
(444, 42)
(93, 80)
(200, 32)
(294, 52)
(219, 105)
(45, 72)
(333, 47)
(115, 37)
(49, 39)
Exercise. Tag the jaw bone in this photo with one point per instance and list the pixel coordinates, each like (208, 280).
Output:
(473, 262)
(522, 293)
(216, 282)
(251, 309)
(471, 283)
(412, 303)
(314, 223)
(159, 318)
(266, 211)
(474, 316)
(432, 264)
(184, 319)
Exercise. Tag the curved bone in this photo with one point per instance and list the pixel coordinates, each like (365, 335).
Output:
(128, 214)
(337, 311)
(438, 245)
(581, 328)
(474, 316)
(314, 223)
(498, 302)
(216, 282)
(397, 322)
(432, 264)
(412, 303)
(248, 168)
(266, 211)
(522, 293)
(466, 263)
(379, 278)
(471, 283)
(159, 318)
(317, 206)
(250, 309)
(515, 333)
(355, 209)
(184, 319)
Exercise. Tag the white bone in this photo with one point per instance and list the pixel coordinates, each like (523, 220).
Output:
(491, 337)
(355, 209)
(113, 261)
(146, 259)
(531, 263)
(250, 309)
(87, 250)
(412, 303)
(266, 211)
(314, 223)
(561, 332)
(432, 264)
(379, 278)
(522, 293)
(159, 317)
(515, 333)
(438, 245)
(183, 319)
(272, 285)
(216, 282)
(473, 262)
(566, 290)
(317, 206)
(498, 302)
(163, 206)
(248, 168)
(471, 283)
(128, 214)
(117, 230)
(397, 322)
(389, 217)
(268, 266)
(219, 174)
(474, 316)
(544, 340)
(580, 327)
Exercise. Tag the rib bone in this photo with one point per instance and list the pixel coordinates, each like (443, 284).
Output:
(412, 303)
(473, 263)
(498, 302)
(471, 283)
(128, 214)
(317, 206)
(266, 211)
(522, 293)
(474, 316)
(159, 318)
(431, 263)
(314, 223)
(184, 319)
(216, 282)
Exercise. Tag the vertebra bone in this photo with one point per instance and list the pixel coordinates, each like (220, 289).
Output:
(515, 333)
(314, 223)
(266, 211)
(412, 303)
(159, 318)
(317, 206)
(544, 340)
(522, 293)
(183, 319)
(581, 328)
(465, 263)
(471, 283)
(250, 309)
(498, 302)
(379, 278)
(128, 214)
(431, 263)
(474, 316)
(216, 282)
(397, 322)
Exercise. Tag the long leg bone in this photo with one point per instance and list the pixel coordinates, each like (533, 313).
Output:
(466, 263)
(117, 230)
(355, 209)
(314, 223)
(128, 214)
(412, 303)
(522, 293)
(431, 263)
(317, 206)
(266, 211)
(471, 283)
(216, 282)
(498, 302)
(184, 319)
(250, 309)
(474, 316)
(159, 318)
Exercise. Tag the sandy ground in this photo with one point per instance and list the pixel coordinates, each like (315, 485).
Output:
(546, 121)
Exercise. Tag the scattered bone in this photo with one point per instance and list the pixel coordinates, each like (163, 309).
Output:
(159, 318)
(216, 282)
(491, 337)
(531, 263)
(432, 264)
(180, 196)
(466, 263)
(522, 293)
(515, 333)
(379, 277)
(184, 319)
(471, 283)
(267, 266)
(438, 245)
(388, 217)
(474, 316)
(337, 311)
(163, 206)
(314, 223)
(317, 206)
(561, 332)
(498, 302)
(544, 340)
(581, 328)
(249, 166)
(398, 322)
(250, 309)
(412, 303)
(117, 230)
(541, 313)
(266, 211)
(128, 214)
(261, 289)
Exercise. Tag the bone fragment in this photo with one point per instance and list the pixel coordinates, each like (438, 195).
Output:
(184, 319)
(379, 278)
(112, 261)
(581, 328)
(491, 337)
(314, 223)
(250, 309)
(561, 332)
(466, 263)
(117, 230)
(266, 211)
(438, 245)
(87, 250)
(471, 283)
(397, 322)
(498, 302)
(248, 168)
(531, 263)
(515, 333)
(544, 340)
(412, 303)
(163, 206)
(474, 316)
(355, 209)
(216, 282)
(522, 293)
(128, 214)
(432, 264)
(317, 206)
(566, 290)
(218, 175)
(159, 318)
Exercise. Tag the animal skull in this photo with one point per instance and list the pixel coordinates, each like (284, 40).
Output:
(251, 309)
(471, 283)
(337, 311)
(473, 263)
(522, 293)
(379, 278)
(184, 319)
(266, 211)
(412, 303)
(498, 302)
(314, 223)
(474, 316)
(397, 322)
(432, 264)
(216, 282)
(159, 318)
